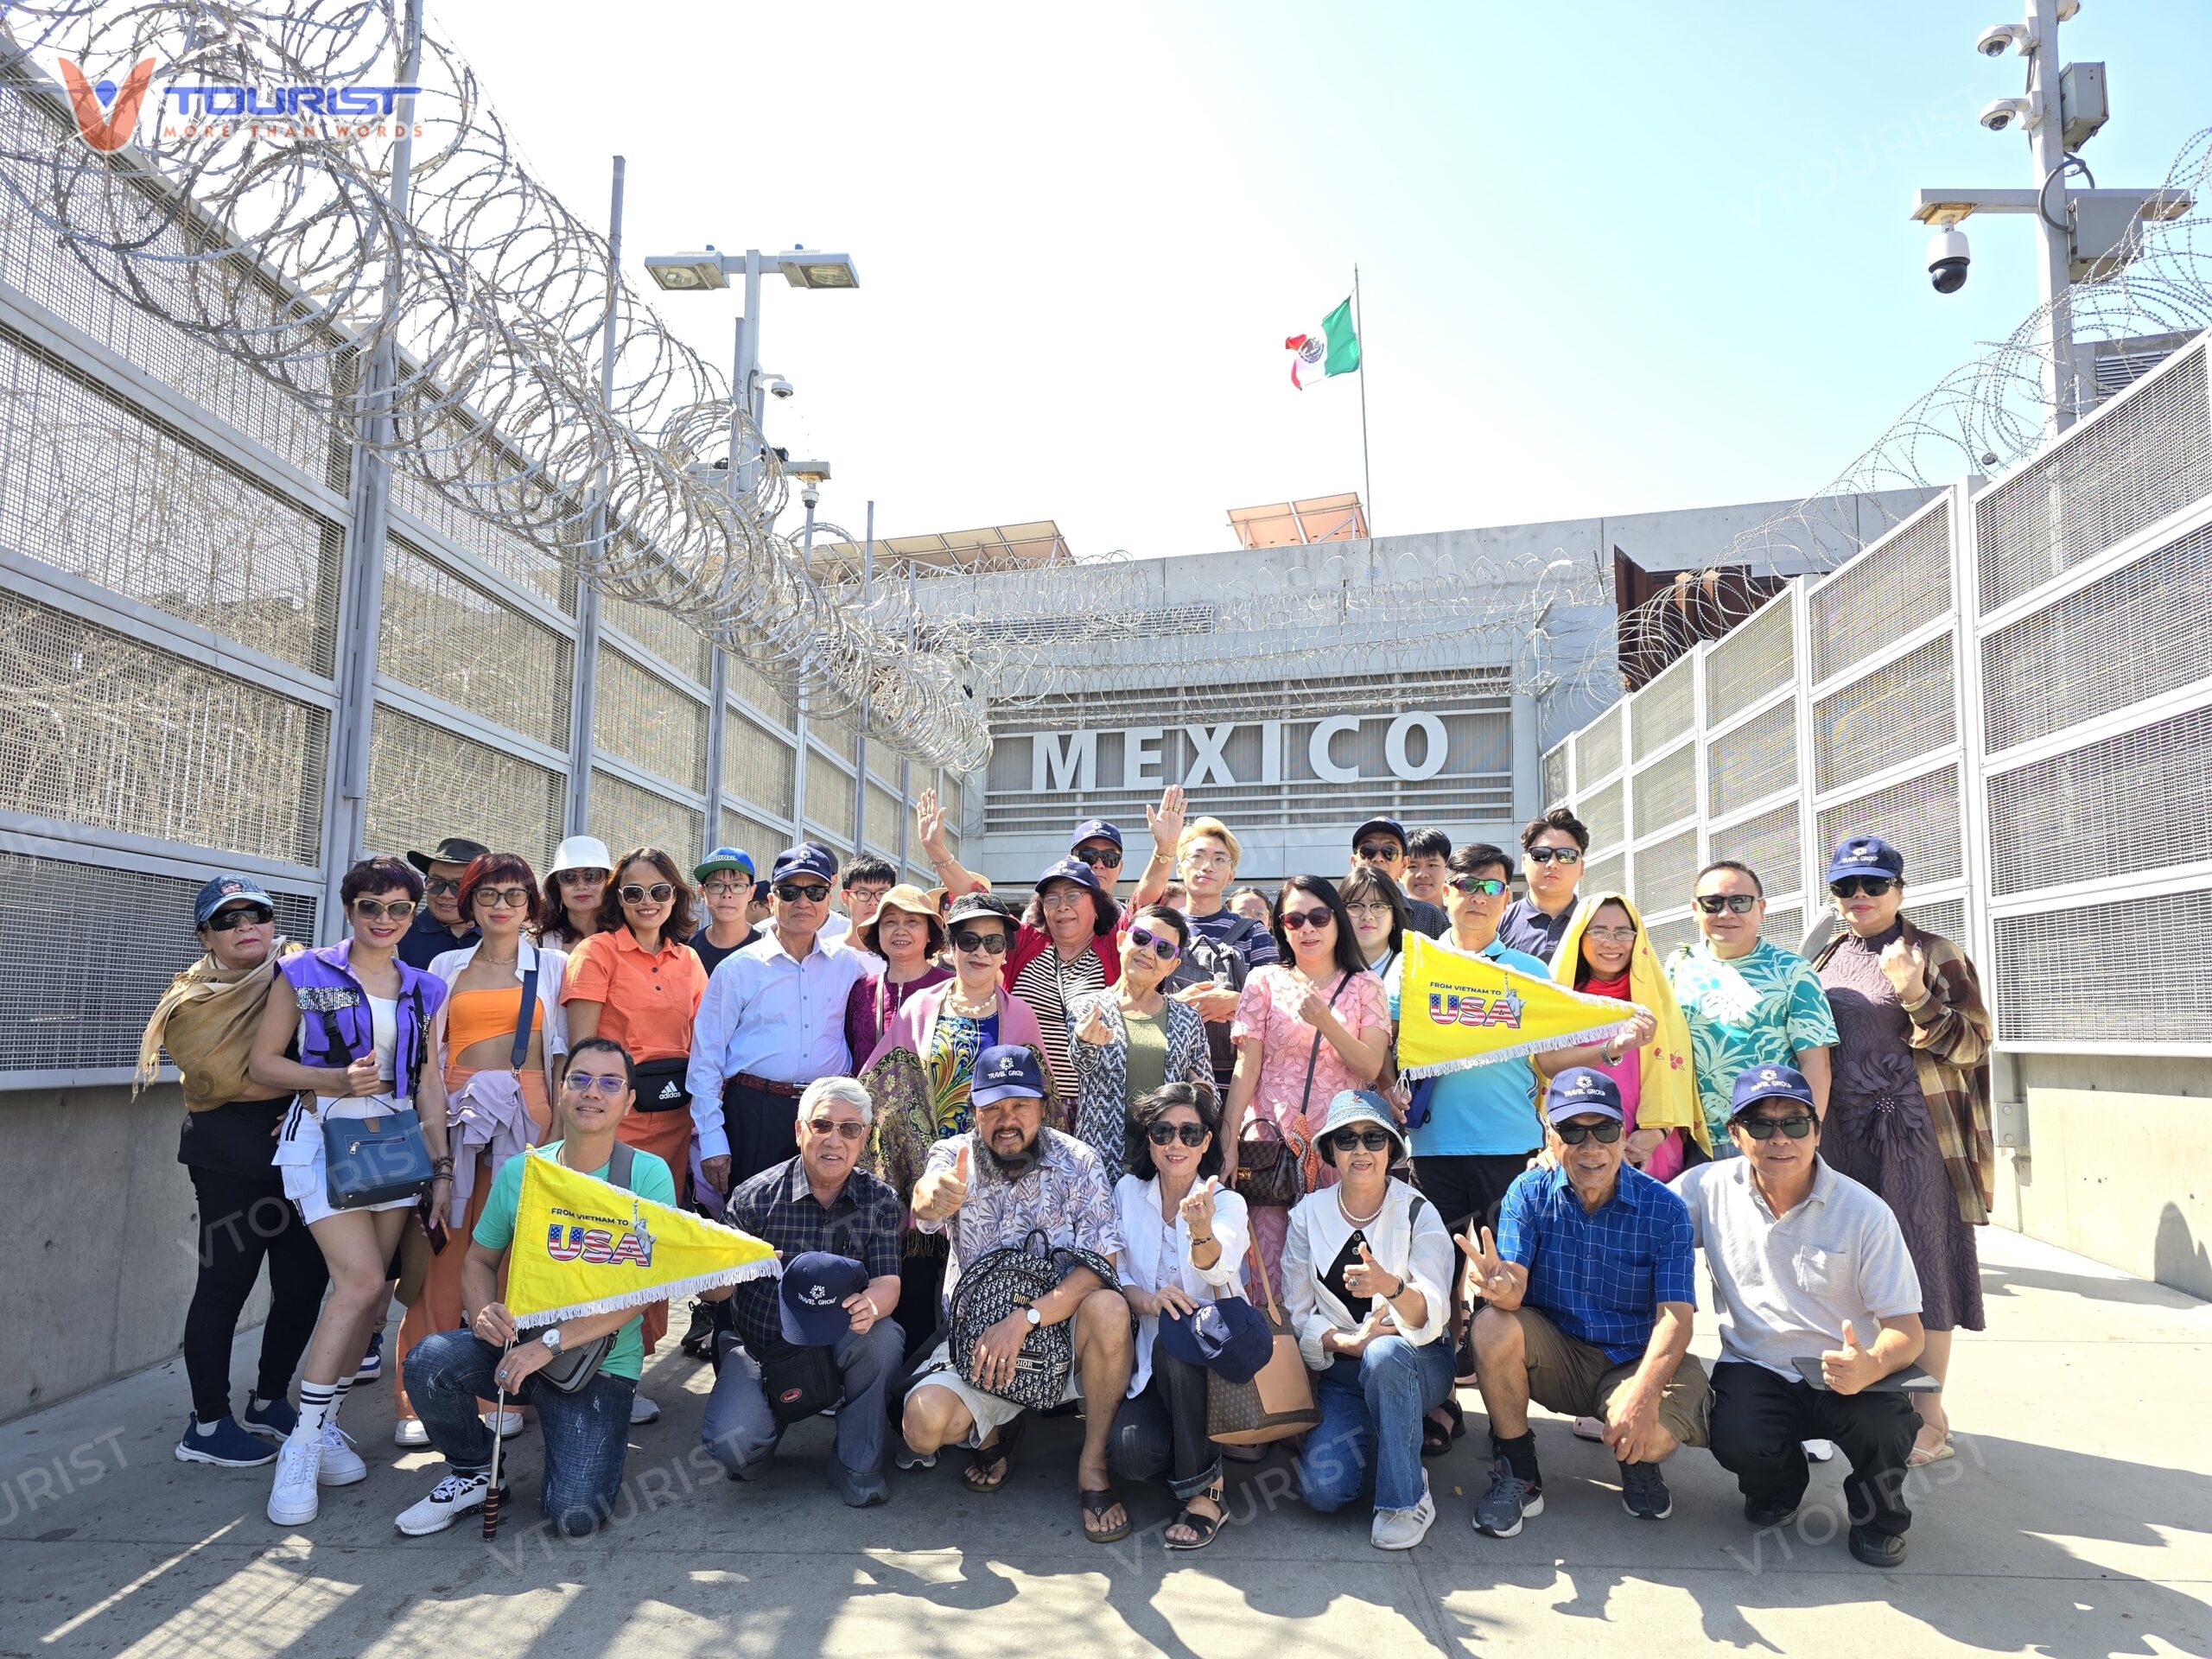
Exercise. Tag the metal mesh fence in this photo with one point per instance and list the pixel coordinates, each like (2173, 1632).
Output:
(624, 815)
(2140, 984)
(683, 647)
(1757, 658)
(1605, 874)
(836, 737)
(1602, 812)
(830, 798)
(2137, 800)
(1668, 933)
(648, 722)
(1597, 748)
(446, 635)
(1661, 712)
(1894, 587)
(1902, 708)
(507, 555)
(1785, 926)
(757, 764)
(1752, 761)
(1661, 875)
(428, 781)
(1945, 917)
(1917, 816)
(883, 816)
(761, 842)
(1770, 843)
(1666, 791)
(750, 685)
(1555, 776)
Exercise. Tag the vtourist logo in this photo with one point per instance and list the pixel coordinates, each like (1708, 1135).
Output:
(108, 115)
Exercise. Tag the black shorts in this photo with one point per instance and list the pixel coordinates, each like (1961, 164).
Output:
(1470, 1187)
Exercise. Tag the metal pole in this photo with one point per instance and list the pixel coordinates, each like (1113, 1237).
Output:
(1366, 478)
(718, 673)
(748, 368)
(2047, 149)
(860, 735)
(584, 701)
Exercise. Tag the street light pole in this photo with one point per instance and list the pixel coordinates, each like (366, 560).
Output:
(2054, 238)
(748, 372)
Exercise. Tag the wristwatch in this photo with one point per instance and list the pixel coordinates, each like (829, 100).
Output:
(551, 1338)
(1035, 1317)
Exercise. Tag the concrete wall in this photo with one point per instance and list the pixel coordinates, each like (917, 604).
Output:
(105, 1241)
(2118, 1164)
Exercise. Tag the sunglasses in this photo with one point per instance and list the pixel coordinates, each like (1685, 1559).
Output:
(580, 878)
(1852, 886)
(440, 886)
(991, 943)
(660, 893)
(227, 921)
(1380, 852)
(1354, 1140)
(371, 909)
(1546, 855)
(1575, 1134)
(1166, 947)
(1295, 920)
(792, 892)
(506, 898)
(1190, 1135)
(1488, 886)
(843, 1131)
(1763, 1128)
(1737, 903)
(585, 1084)
(1100, 857)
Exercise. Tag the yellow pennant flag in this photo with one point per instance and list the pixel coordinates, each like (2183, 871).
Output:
(582, 1246)
(1457, 1010)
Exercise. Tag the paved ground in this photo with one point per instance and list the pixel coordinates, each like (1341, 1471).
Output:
(2076, 1522)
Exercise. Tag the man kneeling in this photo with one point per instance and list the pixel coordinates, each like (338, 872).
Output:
(1008, 1177)
(586, 1430)
(819, 1334)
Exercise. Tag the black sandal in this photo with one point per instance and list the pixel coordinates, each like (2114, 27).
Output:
(1436, 1438)
(999, 1455)
(1095, 1506)
(1204, 1525)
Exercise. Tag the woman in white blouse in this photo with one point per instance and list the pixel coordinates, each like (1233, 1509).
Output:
(1185, 1234)
(1366, 1268)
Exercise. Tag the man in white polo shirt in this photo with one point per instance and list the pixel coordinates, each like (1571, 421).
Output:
(1809, 1274)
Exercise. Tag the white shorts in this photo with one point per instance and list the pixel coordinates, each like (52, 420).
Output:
(989, 1413)
(300, 1160)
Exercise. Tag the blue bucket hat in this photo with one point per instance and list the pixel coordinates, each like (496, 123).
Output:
(1353, 1108)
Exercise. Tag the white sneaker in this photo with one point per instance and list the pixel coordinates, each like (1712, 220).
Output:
(1821, 1451)
(508, 1424)
(451, 1498)
(341, 1465)
(1403, 1529)
(408, 1432)
(643, 1410)
(293, 1500)
(1589, 1428)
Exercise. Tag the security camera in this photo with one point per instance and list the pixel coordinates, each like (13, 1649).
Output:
(779, 387)
(1999, 38)
(810, 493)
(2001, 112)
(1947, 261)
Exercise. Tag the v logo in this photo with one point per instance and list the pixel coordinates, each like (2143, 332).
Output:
(112, 130)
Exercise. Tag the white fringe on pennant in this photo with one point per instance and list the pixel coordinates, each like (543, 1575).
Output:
(766, 1267)
(1518, 1051)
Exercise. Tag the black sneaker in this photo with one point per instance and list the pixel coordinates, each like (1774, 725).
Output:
(1643, 1492)
(1762, 1514)
(1877, 1548)
(699, 1340)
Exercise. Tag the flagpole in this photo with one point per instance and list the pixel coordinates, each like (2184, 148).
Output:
(1359, 327)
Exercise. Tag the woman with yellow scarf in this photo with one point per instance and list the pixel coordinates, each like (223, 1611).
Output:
(1607, 952)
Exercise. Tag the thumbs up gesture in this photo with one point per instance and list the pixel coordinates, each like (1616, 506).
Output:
(940, 1192)
(1496, 1279)
(1366, 1277)
(1850, 1368)
(1198, 1208)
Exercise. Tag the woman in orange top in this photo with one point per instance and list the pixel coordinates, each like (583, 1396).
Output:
(637, 982)
(495, 1107)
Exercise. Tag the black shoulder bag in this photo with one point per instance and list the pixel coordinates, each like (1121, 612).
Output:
(1270, 1166)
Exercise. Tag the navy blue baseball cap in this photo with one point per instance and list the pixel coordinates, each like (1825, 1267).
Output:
(1094, 830)
(805, 859)
(812, 1297)
(228, 889)
(1866, 855)
(1389, 827)
(1004, 1071)
(1582, 1090)
(1075, 870)
(1757, 1083)
(1230, 1336)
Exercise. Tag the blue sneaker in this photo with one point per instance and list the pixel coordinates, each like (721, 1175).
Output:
(274, 1419)
(223, 1443)
(372, 1362)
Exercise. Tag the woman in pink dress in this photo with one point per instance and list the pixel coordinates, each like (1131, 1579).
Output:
(1307, 1028)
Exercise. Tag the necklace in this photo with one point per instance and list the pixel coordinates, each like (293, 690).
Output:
(979, 1008)
(1362, 1221)
(498, 962)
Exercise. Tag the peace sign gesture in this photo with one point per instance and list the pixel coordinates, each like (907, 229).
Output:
(1497, 1280)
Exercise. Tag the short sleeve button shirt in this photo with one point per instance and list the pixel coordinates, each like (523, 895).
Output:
(1600, 1278)
(649, 999)
(1754, 1010)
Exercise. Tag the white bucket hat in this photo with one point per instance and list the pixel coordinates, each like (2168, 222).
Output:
(581, 852)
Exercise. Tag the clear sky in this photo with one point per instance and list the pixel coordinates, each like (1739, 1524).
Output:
(1615, 256)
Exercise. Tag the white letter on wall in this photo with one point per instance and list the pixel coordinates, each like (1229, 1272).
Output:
(1394, 748)
(1054, 764)
(1317, 750)
(1140, 756)
(1209, 766)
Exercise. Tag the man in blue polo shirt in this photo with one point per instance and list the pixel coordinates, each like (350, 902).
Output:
(1591, 1286)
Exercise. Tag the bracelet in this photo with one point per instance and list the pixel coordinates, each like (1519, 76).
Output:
(441, 1166)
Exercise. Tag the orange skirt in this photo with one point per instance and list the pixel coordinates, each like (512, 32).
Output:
(667, 1135)
(438, 1307)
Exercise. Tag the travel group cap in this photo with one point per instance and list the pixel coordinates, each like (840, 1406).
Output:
(1071, 869)
(811, 1300)
(1230, 1336)
(1580, 1091)
(1757, 1083)
(453, 849)
(1005, 1071)
(1866, 855)
(1094, 830)
(805, 859)
(723, 858)
(1389, 827)
(581, 852)
(228, 889)
(1352, 1108)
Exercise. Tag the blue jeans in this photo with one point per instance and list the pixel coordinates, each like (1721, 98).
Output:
(740, 1432)
(1369, 1438)
(586, 1433)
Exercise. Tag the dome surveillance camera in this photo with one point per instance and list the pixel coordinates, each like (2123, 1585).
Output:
(779, 387)
(2000, 114)
(1999, 38)
(1947, 261)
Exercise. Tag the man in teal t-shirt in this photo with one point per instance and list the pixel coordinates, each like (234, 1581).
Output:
(586, 1430)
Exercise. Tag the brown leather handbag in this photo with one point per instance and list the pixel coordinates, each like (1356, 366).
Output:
(1275, 1404)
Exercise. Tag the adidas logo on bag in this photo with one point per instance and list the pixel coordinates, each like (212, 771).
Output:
(668, 1090)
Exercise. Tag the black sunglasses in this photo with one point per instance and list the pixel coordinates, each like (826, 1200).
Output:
(1575, 1134)
(660, 893)
(1546, 855)
(1353, 1140)
(1190, 1135)
(991, 943)
(790, 893)
(1763, 1128)
(1713, 903)
(228, 921)
(1378, 852)
(1873, 885)
(1295, 920)
(1097, 857)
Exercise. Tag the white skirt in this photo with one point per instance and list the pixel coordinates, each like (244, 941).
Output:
(300, 1156)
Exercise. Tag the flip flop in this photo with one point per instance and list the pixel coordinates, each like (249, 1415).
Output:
(1921, 1459)
(999, 1455)
(1095, 1506)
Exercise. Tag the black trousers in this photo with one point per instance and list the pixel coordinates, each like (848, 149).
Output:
(759, 1125)
(921, 1295)
(1760, 1422)
(1162, 1431)
(244, 1220)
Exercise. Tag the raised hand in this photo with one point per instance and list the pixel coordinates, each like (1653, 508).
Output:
(1167, 823)
(1639, 1029)
(1495, 1278)
(928, 823)
(1197, 1209)
(1906, 967)
(1850, 1368)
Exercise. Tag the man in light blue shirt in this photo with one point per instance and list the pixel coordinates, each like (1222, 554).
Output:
(772, 1020)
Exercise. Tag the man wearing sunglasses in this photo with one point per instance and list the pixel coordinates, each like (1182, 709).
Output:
(1819, 1307)
(439, 925)
(815, 1202)
(1747, 1002)
(1380, 844)
(1591, 1291)
(1555, 849)
(772, 1020)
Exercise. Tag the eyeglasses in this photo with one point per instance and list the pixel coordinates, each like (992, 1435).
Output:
(228, 921)
(844, 1130)
(1295, 920)
(1206, 859)
(1611, 935)
(660, 893)
(1380, 852)
(1166, 947)
(1374, 912)
(726, 889)
(1763, 1128)
(1546, 855)
(503, 898)
(1738, 904)
(372, 910)
(585, 1084)
(792, 892)
(1190, 1135)
(1575, 1134)
(1100, 857)
(1353, 1140)
(1873, 885)
(1061, 898)
(580, 878)
(1488, 886)
(440, 887)
(991, 943)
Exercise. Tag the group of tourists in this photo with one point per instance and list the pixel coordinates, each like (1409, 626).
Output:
(1255, 1231)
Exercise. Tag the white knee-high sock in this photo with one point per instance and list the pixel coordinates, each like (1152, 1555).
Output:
(318, 1405)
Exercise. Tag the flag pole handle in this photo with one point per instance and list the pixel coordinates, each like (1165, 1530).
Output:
(499, 1419)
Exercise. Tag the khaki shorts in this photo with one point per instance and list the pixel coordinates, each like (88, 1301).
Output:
(1574, 1377)
(989, 1413)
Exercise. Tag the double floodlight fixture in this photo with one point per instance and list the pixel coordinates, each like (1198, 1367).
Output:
(680, 273)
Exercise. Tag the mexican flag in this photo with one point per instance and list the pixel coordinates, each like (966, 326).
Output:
(1332, 349)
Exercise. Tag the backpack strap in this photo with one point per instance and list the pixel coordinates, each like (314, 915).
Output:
(522, 1021)
(622, 1166)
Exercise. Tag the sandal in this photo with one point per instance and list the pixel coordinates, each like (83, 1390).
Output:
(998, 1455)
(1436, 1438)
(1204, 1525)
(1095, 1506)
(1921, 1457)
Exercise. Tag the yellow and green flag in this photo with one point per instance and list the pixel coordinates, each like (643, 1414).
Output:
(582, 1246)
(1457, 1011)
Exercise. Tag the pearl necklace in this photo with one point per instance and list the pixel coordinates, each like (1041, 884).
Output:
(1362, 1221)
